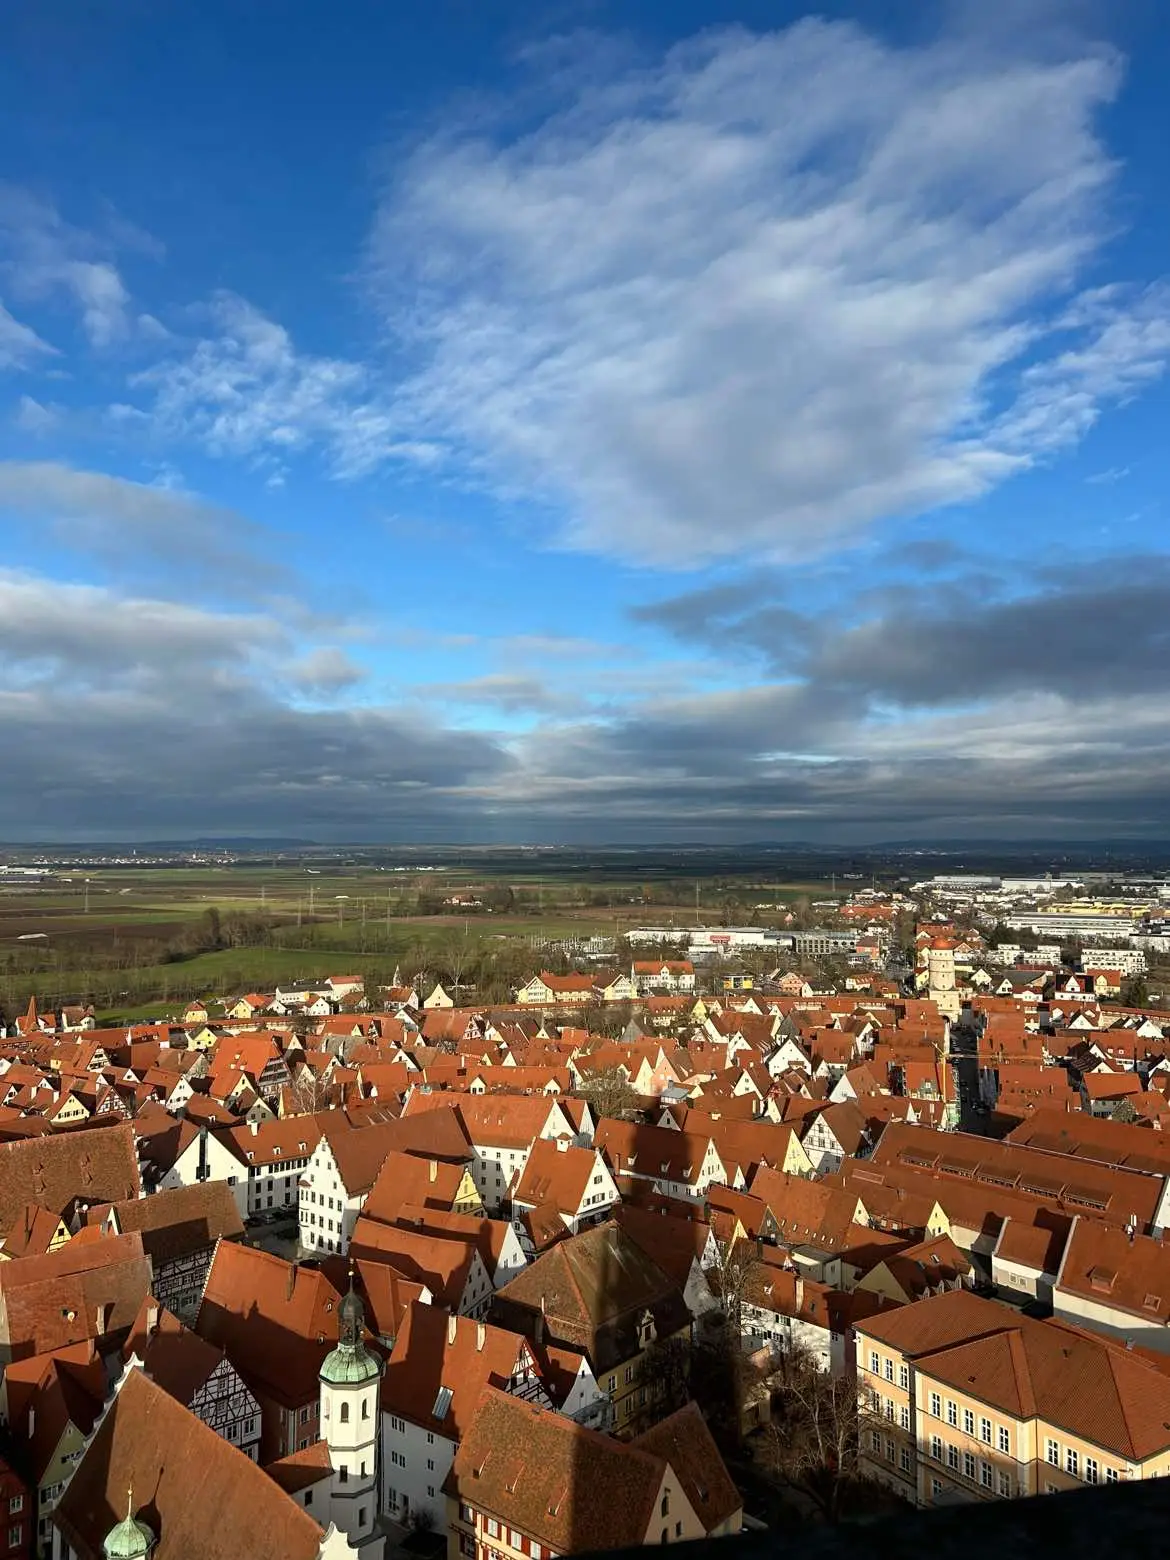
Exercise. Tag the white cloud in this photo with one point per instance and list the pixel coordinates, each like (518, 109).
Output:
(765, 292)
(19, 344)
(33, 416)
(244, 389)
(44, 257)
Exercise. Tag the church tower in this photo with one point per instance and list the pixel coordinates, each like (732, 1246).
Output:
(350, 1389)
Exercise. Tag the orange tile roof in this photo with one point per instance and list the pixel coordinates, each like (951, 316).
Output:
(435, 1350)
(1080, 1382)
(151, 1444)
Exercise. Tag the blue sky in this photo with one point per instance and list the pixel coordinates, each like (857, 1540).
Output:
(584, 422)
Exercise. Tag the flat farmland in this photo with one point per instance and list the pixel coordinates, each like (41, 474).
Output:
(144, 939)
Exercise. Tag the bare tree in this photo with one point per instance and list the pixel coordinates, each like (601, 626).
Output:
(608, 1093)
(813, 1443)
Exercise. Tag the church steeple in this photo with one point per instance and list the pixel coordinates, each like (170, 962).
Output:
(350, 1362)
(350, 1383)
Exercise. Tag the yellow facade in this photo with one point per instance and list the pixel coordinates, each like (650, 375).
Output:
(938, 1445)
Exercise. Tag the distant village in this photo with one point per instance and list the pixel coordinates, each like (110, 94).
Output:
(349, 1271)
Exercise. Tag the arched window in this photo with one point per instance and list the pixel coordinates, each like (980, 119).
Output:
(365, 1408)
(344, 1415)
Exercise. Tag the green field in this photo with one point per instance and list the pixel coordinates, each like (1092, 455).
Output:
(142, 940)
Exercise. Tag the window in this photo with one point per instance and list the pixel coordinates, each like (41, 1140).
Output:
(536, 1551)
(1072, 1462)
(905, 1415)
(430, 1438)
(465, 1512)
(936, 1447)
(1111, 1476)
(889, 1370)
(15, 1534)
(1092, 1471)
(493, 1528)
(968, 1422)
(904, 1377)
(936, 1488)
(1005, 1485)
(15, 1504)
(666, 1504)
(365, 1408)
(935, 1405)
(969, 1465)
(431, 1464)
(1005, 1440)
(361, 1516)
(874, 1361)
(953, 1457)
(363, 1472)
(985, 1430)
(891, 1447)
(875, 1441)
(1052, 1453)
(890, 1409)
(904, 1459)
(431, 1491)
(343, 1474)
(305, 1412)
(344, 1414)
(985, 1475)
(516, 1539)
(952, 1412)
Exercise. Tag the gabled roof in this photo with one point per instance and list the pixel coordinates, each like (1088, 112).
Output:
(48, 1392)
(275, 1320)
(684, 1441)
(442, 1264)
(92, 1165)
(150, 1443)
(177, 1222)
(84, 1289)
(410, 1178)
(179, 1360)
(434, 1350)
(557, 1174)
(1086, 1384)
(541, 1473)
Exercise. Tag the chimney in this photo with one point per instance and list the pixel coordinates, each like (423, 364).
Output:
(252, 1128)
(480, 1337)
(452, 1328)
(434, 1169)
(562, 1145)
(152, 1317)
(799, 1292)
(292, 1280)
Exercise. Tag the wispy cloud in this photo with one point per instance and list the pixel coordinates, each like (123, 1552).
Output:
(19, 344)
(44, 257)
(243, 388)
(696, 322)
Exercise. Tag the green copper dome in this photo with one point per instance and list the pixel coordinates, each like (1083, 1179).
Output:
(350, 1363)
(130, 1540)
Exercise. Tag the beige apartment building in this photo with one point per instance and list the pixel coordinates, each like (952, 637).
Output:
(966, 1399)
